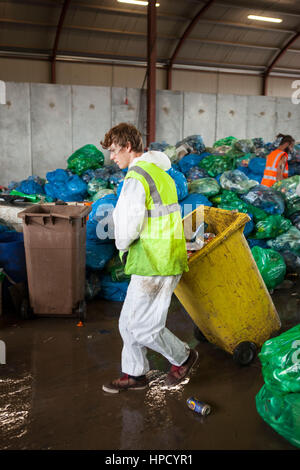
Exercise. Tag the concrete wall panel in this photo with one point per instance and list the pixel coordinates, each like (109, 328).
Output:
(91, 115)
(200, 116)
(132, 112)
(169, 116)
(261, 117)
(15, 134)
(231, 116)
(288, 117)
(51, 124)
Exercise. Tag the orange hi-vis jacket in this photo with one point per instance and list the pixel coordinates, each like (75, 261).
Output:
(270, 174)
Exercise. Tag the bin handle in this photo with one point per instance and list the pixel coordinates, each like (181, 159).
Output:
(85, 210)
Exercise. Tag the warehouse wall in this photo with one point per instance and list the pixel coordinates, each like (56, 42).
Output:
(41, 125)
(38, 71)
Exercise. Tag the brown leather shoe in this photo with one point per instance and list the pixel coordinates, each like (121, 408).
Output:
(125, 383)
(178, 373)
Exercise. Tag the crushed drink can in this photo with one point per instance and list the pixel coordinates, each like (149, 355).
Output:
(198, 406)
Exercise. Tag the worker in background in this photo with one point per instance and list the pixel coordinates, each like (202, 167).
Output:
(277, 162)
(149, 234)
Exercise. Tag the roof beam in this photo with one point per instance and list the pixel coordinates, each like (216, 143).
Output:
(186, 33)
(57, 37)
(231, 24)
(258, 6)
(276, 59)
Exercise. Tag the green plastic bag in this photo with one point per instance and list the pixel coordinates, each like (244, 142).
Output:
(281, 412)
(86, 158)
(30, 197)
(224, 197)
(237, 205)
(227, 141)
(271, 266)
(280, 359)
(289, 241)
(115, 268)
(258, 214)
(272, 227)
(206, 186)
(95, 185)
(287, 189)
(216, 164)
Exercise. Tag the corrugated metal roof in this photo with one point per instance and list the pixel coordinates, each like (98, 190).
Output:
(107, 29)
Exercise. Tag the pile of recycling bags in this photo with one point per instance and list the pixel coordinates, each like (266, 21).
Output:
(226, 176)
(278, 401)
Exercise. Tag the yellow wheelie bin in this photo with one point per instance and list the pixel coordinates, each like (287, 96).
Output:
(223, 290)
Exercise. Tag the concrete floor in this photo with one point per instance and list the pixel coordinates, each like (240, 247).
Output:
(51, 397)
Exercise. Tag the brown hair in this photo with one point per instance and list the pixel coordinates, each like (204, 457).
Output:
(121, 135)
(287, 139)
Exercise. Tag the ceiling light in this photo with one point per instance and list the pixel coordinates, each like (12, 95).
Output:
(137, 2)
(264, 18)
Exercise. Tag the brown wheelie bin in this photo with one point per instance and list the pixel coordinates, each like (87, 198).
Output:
(55, 244)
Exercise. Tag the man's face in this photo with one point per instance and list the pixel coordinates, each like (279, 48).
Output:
(120, 155)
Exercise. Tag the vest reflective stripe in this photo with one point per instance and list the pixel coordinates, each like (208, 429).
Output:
(276, 161)
(153, 190)
(266, 177)
(160, 209)
(164, 210)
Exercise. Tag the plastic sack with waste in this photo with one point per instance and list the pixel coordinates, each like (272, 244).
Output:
(116, 270)
(292, 261)
(171, 152)
(87, 157)
(235, 180)
(111, 290)
(65, 187)
(265, 198)
(257, 165)
(92, 284)
(258, 142)
(191, 202)
(289, 240)
(116, 178)
(221, 150)
(195, 173)
(280, 359)
(98, 254)
(281, 412)
(226, 141)
(194, 141)
(95, 185)
(225, 196)
(103, 173)
(287, 189)
(99, 226)
(32, 185)
(206, 186)
(190, 160)
(180, 183)
(244, 145)
(271, 266)
(216, 164)
(159, 146)
(254, 242)
(272, 226)
(295, 219)
(102, 193)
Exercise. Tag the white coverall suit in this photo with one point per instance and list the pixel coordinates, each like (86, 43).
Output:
(144, 313)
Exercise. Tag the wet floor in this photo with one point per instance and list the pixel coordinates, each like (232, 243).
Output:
(51, 397)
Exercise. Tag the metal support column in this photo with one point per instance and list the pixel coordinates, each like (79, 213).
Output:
(151, 72)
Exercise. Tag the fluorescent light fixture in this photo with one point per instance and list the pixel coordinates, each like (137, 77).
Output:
(137, 2)
(264, 18)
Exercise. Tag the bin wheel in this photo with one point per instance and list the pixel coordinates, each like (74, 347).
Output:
(82, 310)
(199, 335)
(25, 309)
(244, 353)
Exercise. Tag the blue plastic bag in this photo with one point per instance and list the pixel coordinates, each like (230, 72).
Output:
(99, 227)
(196, 173)
(265, 198)
(190, 160)
(257, 165)
(195, 141)
(65, 186)
(98, 254)
(180, 182)
(30, 186)
(249, 226)
(111, 290)
(253, 242)
(191, 202)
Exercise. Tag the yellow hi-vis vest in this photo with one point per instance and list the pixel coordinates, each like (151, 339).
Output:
(161, 248)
